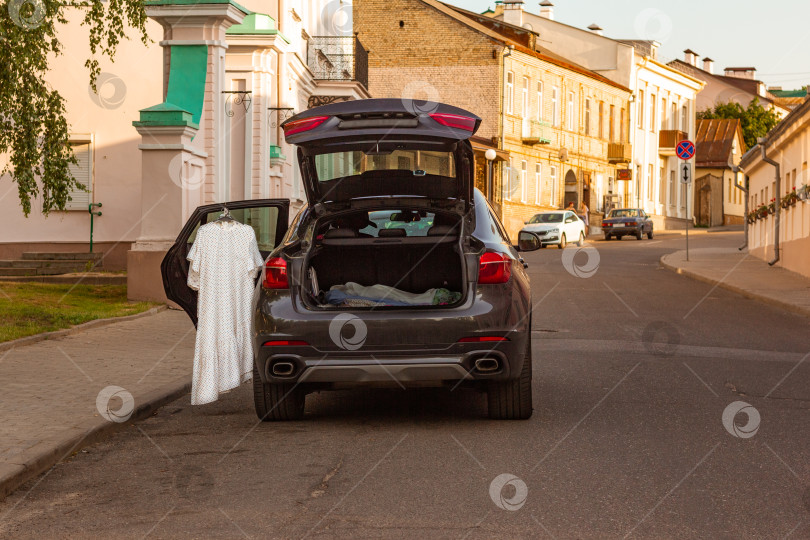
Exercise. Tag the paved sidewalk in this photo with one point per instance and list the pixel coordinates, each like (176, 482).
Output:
(49, 390)
(737, 271)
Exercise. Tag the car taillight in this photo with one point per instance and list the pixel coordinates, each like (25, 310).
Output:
(481, 339)
(275, 274)
(284, 343)
(632, 223)
(454, 121)
(494, 268)
(305, 124)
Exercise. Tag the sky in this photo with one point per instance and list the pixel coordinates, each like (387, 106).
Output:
(770, 35)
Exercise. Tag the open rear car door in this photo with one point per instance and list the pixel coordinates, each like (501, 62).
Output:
(268, 217)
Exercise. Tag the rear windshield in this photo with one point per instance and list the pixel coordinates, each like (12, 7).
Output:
(624, 213)
(547, 218)
(354, 162)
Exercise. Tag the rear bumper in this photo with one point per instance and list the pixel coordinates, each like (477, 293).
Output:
(621, 231)
(393, 345)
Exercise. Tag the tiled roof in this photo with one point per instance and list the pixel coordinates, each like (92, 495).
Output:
(714, 142)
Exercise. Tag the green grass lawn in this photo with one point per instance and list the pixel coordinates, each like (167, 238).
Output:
(32, 308)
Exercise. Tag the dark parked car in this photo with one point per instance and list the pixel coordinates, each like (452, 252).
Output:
(623, 221)
(391, 205)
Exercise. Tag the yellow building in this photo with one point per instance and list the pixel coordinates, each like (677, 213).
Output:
(557, 127)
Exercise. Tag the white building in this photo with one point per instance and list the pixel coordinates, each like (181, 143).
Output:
(252, 65)
(787, 147)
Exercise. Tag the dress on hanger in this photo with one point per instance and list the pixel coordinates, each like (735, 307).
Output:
(224, 262)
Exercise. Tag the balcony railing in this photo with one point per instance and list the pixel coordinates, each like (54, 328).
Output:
(338, 58)
(620, 153)
(668, 139)
(535, 132)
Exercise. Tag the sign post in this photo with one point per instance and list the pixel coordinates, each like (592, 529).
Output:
(686, 151)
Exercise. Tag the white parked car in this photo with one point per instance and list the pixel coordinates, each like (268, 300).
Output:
(558, 227)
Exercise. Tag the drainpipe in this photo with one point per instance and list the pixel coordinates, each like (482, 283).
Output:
(777, 206)
(502, 107)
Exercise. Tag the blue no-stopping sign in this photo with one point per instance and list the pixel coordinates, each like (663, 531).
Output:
(685, 150)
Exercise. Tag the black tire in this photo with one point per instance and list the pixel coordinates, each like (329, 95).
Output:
(512, 400)
(581, 240)
(607, 237)
(639, 234)
(563, 242)
(650, 234)
(277, 401)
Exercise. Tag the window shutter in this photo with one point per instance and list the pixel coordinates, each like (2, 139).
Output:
(82, 173)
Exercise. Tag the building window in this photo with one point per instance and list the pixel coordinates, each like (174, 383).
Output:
(507, 180)
(674, 114)
(539, 101)
(685, 119)
(552, 193)
(538, 179)
(650, 184)
(525, 101)
(569, 113)
(524, 181)
(652, 113)
(640, 109)
(510, 93)
(612, 127)
(601, 119)
(729, 190)
(684, 194)
(587, 117)
(663, 114)
(662, 191)
(555, 106)
(622, 133)
(83, 173)
(672, 183)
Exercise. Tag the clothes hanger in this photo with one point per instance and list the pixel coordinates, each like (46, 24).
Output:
(225, 216)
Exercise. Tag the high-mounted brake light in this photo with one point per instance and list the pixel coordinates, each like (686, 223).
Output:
(454, 121)
(275, 274)
(305, 124)
(481, 339)
(494, 268)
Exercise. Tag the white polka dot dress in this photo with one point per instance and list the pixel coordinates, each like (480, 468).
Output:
(225, 260)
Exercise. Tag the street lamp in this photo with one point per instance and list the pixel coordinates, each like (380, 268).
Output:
(490, 154)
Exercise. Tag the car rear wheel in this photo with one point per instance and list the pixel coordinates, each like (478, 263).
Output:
(650, 235)
(581, 240)
(512, 400)
(563, 242)
(639, 234)
(607, 237)
(277, 402)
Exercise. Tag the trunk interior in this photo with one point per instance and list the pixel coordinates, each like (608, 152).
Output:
(430, 259)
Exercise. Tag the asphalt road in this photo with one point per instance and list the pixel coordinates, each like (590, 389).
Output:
(634, 367)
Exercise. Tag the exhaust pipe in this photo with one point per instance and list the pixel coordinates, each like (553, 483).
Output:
(487, 365)
(283, 369)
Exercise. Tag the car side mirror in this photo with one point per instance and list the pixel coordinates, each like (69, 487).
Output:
(528, 242)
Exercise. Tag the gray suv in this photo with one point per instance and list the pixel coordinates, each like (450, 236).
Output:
(397, 271)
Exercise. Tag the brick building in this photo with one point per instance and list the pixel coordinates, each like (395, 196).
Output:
(550, 120)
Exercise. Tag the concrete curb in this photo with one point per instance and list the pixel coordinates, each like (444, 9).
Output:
(36, 338)
(793, 308)
(47, 453)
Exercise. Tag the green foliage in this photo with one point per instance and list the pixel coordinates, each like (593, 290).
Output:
(34, 133)
(756, 121)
